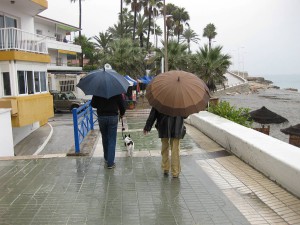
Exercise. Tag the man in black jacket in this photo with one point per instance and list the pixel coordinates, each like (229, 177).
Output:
(107, 111)
(170, 130)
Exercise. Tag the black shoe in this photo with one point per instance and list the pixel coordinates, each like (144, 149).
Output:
(166, 173)
(111, 167)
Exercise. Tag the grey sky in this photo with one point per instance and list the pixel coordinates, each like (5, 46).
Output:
(263, 34)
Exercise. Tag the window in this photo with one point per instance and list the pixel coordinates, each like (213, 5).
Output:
(21, 82)
(37, 82)
(30, 83)
(6, 83)
(43, 80)
(1, 21)
(67, 85)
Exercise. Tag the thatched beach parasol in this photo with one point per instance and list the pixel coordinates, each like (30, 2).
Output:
(294, 132)
(265, 116)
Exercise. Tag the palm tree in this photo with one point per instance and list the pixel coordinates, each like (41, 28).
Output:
(211, 65)
(190, 35)
(142, 27)
(102, 41)
(126, 57)
(180, 17)
(87, 46)
(177, 55)
(136, 6)
(80, 16)
(117, 31)
(170, 24)
(210, 32)
(151, 8)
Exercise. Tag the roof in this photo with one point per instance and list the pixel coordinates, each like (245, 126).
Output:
(61, 25)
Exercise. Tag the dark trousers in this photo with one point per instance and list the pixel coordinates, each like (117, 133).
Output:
(108, 127)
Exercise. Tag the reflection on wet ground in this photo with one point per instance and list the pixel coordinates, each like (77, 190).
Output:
(134, 123)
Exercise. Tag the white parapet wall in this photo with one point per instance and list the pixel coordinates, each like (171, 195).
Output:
(276, 159)
(6, 137)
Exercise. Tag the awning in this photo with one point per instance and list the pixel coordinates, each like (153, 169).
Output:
(67, 52)
(146, 79)
(131, 81)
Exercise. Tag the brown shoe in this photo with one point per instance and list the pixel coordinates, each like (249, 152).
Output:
(175, 176)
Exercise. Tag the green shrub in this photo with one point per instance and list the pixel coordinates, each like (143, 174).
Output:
(240, 115)
(88, 68)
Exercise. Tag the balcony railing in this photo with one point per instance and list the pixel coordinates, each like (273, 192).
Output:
(16, 39)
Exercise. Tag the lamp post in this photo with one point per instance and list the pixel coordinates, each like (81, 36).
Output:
(239, 60)
(165, 38)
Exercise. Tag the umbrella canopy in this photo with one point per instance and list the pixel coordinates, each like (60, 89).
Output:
(103, 83)
(293, 130)
(177, 93)
(265, 116)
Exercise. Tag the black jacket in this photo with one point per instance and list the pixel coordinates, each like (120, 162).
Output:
(167, 126)
(109, 107)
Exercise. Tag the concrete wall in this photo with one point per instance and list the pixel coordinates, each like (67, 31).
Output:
(6, 138)
(241, 88)
(276, 159)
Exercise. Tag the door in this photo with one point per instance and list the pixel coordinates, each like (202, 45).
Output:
(8, 37)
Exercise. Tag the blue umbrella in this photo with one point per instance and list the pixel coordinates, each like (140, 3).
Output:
(103, 83)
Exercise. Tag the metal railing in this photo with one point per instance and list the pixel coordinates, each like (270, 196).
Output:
(83, 122)
(16, 39)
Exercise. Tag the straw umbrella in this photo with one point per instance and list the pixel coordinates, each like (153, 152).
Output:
(266, 116)
(294, 132)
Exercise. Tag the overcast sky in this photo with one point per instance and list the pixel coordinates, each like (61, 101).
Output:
(263, 35)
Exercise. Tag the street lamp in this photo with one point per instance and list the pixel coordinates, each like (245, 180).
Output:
(239, 61)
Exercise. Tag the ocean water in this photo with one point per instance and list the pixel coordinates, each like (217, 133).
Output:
(284, 80)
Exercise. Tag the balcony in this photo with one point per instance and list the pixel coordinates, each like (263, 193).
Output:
(15, 39)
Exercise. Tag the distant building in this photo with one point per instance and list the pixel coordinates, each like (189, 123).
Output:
(33, 60)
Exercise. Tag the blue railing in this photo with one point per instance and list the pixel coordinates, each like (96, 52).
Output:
(83, 122)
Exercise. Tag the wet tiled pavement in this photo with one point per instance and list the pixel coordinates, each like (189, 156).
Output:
(213, 188)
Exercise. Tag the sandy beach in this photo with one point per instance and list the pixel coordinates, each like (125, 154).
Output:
(283, 102)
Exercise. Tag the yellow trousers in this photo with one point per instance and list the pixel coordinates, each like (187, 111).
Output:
(175, 157)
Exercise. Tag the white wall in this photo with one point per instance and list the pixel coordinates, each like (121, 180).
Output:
(276, 159)
(19, 133)
(6, 138)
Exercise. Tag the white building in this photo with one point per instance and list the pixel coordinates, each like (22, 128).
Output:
(31, 50)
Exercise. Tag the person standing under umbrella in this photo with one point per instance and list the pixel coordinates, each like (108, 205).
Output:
(108, 111)
(106, 86)
(170, 130)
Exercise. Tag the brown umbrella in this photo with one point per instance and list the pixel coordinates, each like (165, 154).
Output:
(177, 93)
(265, 116)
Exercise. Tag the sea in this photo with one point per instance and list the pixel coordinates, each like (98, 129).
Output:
(284, 80)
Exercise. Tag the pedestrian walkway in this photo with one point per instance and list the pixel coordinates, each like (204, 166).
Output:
(213, 188)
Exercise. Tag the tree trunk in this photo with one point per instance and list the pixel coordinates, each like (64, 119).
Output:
(121, 15)
(149, 27)
(134, 21)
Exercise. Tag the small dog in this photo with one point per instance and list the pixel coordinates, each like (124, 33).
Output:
(129, 144)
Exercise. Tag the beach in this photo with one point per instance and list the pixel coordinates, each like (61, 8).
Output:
(283, 102)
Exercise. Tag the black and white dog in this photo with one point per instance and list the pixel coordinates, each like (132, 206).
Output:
(129, 144)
